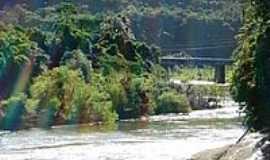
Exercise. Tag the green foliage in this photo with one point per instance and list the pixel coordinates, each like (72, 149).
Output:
(77, 60)
(228, 10)
(200, 96)
(61, 29)
(15, 48)
(57, 49)
(70, 97)
(206, 10)
(205, 73)
(18, 55)
(172, 102)
(131, 95)
(154, 22)
(192, 73)
(118, 48)
(14, 108)
(251, 75)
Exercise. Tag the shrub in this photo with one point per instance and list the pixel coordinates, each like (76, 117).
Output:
(172, 102)
(117, 92)
(130, 95)
(64, 93)
(76, 59)
(14, 109)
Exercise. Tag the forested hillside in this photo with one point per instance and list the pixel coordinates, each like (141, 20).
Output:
(199, 28)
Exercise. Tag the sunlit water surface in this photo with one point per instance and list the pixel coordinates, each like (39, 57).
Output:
(169, 137)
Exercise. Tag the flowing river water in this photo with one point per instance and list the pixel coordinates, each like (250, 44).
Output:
(167, 137)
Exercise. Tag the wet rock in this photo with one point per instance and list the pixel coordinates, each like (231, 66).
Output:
(241, 151)
(212, 154)
(203, 98)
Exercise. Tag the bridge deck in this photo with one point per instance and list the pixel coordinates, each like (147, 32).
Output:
(195, 61)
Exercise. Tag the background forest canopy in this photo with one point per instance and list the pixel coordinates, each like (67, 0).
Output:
(169, 24)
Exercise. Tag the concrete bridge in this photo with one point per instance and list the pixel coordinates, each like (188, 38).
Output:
(218, 63)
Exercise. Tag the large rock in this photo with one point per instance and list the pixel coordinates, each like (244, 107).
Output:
(203, 98)
(244, 150)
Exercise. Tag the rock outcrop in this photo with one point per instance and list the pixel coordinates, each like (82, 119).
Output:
(245, 150)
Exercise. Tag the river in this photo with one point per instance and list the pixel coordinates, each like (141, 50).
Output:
(167, 137)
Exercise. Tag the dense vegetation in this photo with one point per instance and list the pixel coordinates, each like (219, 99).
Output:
(202, 28)
(63, 65)
(251, 76)
(172, 102)
(205, 73)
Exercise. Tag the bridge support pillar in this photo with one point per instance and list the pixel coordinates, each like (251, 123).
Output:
(220, 74)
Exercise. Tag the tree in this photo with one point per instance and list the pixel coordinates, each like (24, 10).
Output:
(18, 56)
(61, 96)
(251, 79)
(61, 29)
(118, 47)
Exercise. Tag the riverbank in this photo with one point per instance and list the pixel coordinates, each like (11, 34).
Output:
(171, 136)
(179, 98)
